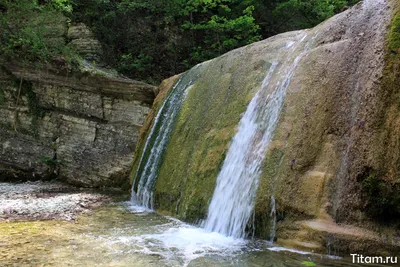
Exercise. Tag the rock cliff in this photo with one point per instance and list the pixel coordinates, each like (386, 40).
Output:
(332, 166)
(80, 126)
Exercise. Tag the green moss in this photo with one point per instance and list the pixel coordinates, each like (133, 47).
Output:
(391, 77)
(35, 109)
(394, 35)
(50, 162)
(388, 155)
(381, 197)
(36, 112)
(207, 122)
(164, 90)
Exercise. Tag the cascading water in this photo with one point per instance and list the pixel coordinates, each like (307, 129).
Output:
(233, 199)
(272, 215)
(158, 140)
(147, 170)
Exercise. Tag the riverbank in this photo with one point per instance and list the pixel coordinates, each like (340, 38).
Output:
(52, 224)
(46, 201)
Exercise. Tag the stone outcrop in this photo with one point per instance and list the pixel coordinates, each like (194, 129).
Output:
(79, 124)
(78, 127)
(332, 166)
(83, 41)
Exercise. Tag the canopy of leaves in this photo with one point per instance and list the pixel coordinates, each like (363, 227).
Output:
(151, 40)
(154, 39)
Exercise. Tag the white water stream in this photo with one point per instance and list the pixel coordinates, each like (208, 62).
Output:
(234, 196)
(158, 136)
(157, 140)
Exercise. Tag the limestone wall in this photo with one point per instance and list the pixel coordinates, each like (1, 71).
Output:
(78, 127)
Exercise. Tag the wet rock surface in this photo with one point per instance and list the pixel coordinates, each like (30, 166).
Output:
(332, 157)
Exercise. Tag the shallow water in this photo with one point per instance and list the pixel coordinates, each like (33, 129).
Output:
(119, 235)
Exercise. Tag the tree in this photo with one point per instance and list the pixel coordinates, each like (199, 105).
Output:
(299, 14)
(150, 40)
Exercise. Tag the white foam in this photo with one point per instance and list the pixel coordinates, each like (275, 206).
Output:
(136, 208)
(280, 249)
(183, 243)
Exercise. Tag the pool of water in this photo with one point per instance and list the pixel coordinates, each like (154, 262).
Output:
(121, 235)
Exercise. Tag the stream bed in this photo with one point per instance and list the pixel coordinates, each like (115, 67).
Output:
(118, 234)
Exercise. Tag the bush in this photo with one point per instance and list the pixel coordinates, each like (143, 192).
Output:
(382, 198)
(33, 32)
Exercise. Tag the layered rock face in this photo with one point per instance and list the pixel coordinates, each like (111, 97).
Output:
(328, 167)
(83, 41)
(82, 129)
(78, 126)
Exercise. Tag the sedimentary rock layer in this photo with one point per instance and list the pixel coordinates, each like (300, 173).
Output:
(79, 127)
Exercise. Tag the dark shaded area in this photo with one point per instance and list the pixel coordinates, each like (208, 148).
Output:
(381, 198)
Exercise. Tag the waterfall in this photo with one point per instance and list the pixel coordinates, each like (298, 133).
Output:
(233, 200)
(234, 196)
(155, 146)
(272, 216)
(158, 139)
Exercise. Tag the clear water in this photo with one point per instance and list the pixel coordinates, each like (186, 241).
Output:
(119, 235)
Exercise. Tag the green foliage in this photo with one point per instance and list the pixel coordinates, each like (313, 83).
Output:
(140, 64)
(308, 263)
(295, 14)
(382, 198)
(51, 162)
(222, 31)
(152, 40)
(63, 5)
(33, 32)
